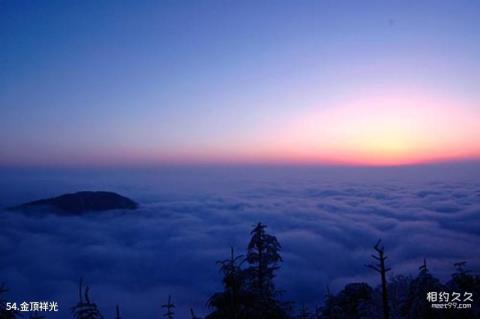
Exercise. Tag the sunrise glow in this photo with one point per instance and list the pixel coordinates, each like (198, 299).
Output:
(315, 84)
(388, 129)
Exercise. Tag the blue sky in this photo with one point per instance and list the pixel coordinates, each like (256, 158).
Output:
(164, 81)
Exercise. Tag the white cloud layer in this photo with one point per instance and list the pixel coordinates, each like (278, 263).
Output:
(326, 220)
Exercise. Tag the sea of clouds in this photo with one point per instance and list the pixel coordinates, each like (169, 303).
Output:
(326, 219)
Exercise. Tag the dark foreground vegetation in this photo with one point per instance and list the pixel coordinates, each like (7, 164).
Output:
(249, 292)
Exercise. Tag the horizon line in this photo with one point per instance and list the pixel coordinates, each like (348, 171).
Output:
(233, 164)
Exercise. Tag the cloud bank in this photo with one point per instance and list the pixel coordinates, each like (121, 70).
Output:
(326, 220)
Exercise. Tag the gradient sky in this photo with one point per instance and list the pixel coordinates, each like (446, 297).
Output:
(123, 83)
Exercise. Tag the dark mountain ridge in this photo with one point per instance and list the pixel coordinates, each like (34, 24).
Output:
(80, 202)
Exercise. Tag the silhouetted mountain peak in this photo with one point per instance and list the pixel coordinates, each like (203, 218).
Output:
(80, 202)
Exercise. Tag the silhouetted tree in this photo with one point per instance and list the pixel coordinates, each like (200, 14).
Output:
(250, 293)
(263, 257)
(464, 282)
(353, 302)
(382, 270)
(398, 290)
(169, 306)
(416, 304)
(85, 309)
(234, 301)
(117, 312)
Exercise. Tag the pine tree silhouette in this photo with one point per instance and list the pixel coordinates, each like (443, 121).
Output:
(352, 302)
(263, 257)
(416, 304)
(169, 306)
(462, 279)
(233, 302)
(250, 293)
(464, 282)
(85, 309)
(398, 289)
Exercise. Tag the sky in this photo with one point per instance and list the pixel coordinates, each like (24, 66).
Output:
(128, 83)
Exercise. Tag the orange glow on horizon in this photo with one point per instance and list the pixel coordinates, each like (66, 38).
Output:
(394, 128)
(390, 129)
